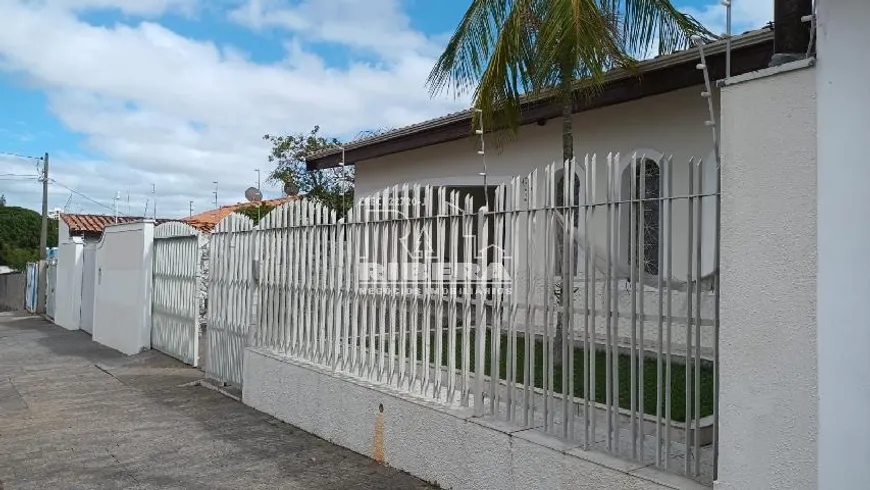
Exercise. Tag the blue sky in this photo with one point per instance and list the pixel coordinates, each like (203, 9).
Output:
(178, 92)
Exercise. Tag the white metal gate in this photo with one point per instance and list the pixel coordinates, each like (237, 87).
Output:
(50, 284)
(175, 300)
(230, 292)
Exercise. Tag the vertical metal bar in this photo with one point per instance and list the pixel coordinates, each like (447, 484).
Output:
(641, 283)
(416, 296)
(467, 259)
(633, 225)
(549, 309)
(530, 316)
(660, 348)
(513, 230)
(479, 367)
(394, 283)
(440, 255)
(669, 224)
(592, 356)
(608, 271)
(493, 285)
(568, 322)
(588, 249)
(452, 296)
(689, 278)
(428, 218)
(402, 258)
(699, 274)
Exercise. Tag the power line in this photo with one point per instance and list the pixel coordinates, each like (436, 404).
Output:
(19, 155)
(98, 203)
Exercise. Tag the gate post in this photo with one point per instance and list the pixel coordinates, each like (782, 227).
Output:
(768, 381)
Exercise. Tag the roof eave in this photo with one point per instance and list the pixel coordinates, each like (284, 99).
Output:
(672, 72)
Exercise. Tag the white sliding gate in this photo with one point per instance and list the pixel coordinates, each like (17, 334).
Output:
(231, 295)
(176, 297)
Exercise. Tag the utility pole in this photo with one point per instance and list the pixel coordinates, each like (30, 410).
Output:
(215, 194)
(43, 241)
(191, 209)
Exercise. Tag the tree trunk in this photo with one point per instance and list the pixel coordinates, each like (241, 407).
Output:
(567, 276)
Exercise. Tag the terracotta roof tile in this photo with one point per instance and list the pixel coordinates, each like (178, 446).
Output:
(207, 220)
(81, 224)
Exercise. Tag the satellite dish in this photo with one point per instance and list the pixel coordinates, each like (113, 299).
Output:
(291, 189)
(253, 194)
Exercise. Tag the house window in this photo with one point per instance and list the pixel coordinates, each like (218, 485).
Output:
(647, 180)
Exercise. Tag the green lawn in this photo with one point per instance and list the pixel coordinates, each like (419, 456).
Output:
(650, 374)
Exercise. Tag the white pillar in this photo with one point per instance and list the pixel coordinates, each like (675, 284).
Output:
(844, 243)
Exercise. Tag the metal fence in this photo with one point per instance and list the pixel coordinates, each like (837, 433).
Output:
(581, 301)
(176, 294)
(231, 290)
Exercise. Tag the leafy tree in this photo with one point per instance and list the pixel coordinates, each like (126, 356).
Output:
(19, 236)
(2, 200)
(503, 49)
(333, 187)
(256, 213)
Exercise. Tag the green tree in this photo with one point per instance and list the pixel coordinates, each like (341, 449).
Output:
(2, 200)
(19, 236)
(333, 187)
(504, 49)
(255, 212)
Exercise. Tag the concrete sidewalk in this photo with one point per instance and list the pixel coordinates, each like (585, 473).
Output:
(76, 415)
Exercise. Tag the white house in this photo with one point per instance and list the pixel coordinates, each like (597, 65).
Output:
(653, 115)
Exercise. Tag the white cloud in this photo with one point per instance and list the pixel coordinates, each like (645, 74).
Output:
(131, 7)
(161, 107)
(745, 15)
(379, 26)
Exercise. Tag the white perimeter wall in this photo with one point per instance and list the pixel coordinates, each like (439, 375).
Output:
(68, 289)
(443, 446)
(122, 305)
(768, 389)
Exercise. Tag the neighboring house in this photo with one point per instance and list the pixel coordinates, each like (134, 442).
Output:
(89, 227)
(207, 220)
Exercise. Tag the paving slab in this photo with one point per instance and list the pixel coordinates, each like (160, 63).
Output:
(77, 415)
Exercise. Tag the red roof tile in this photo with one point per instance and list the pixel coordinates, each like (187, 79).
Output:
(80, 224)
(207, 220)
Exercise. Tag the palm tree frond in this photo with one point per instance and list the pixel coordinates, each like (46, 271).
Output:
(658, 24)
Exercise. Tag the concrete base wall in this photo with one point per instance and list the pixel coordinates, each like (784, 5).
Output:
(13, 287)
(444, 446)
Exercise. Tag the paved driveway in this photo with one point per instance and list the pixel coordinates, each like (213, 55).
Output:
(76, 415)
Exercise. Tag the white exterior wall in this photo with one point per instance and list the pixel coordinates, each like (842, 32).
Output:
(448, 447)
(844, 242)
(768, 388)
(667, 124)
(122, 306)
(68, 289)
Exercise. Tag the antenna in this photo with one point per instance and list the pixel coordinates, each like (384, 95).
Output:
(154, 198)
(191, 209)
(215, 194)
(117, 198)
(727, 5)
(128, 202)
(482, 152)
(145, 213)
